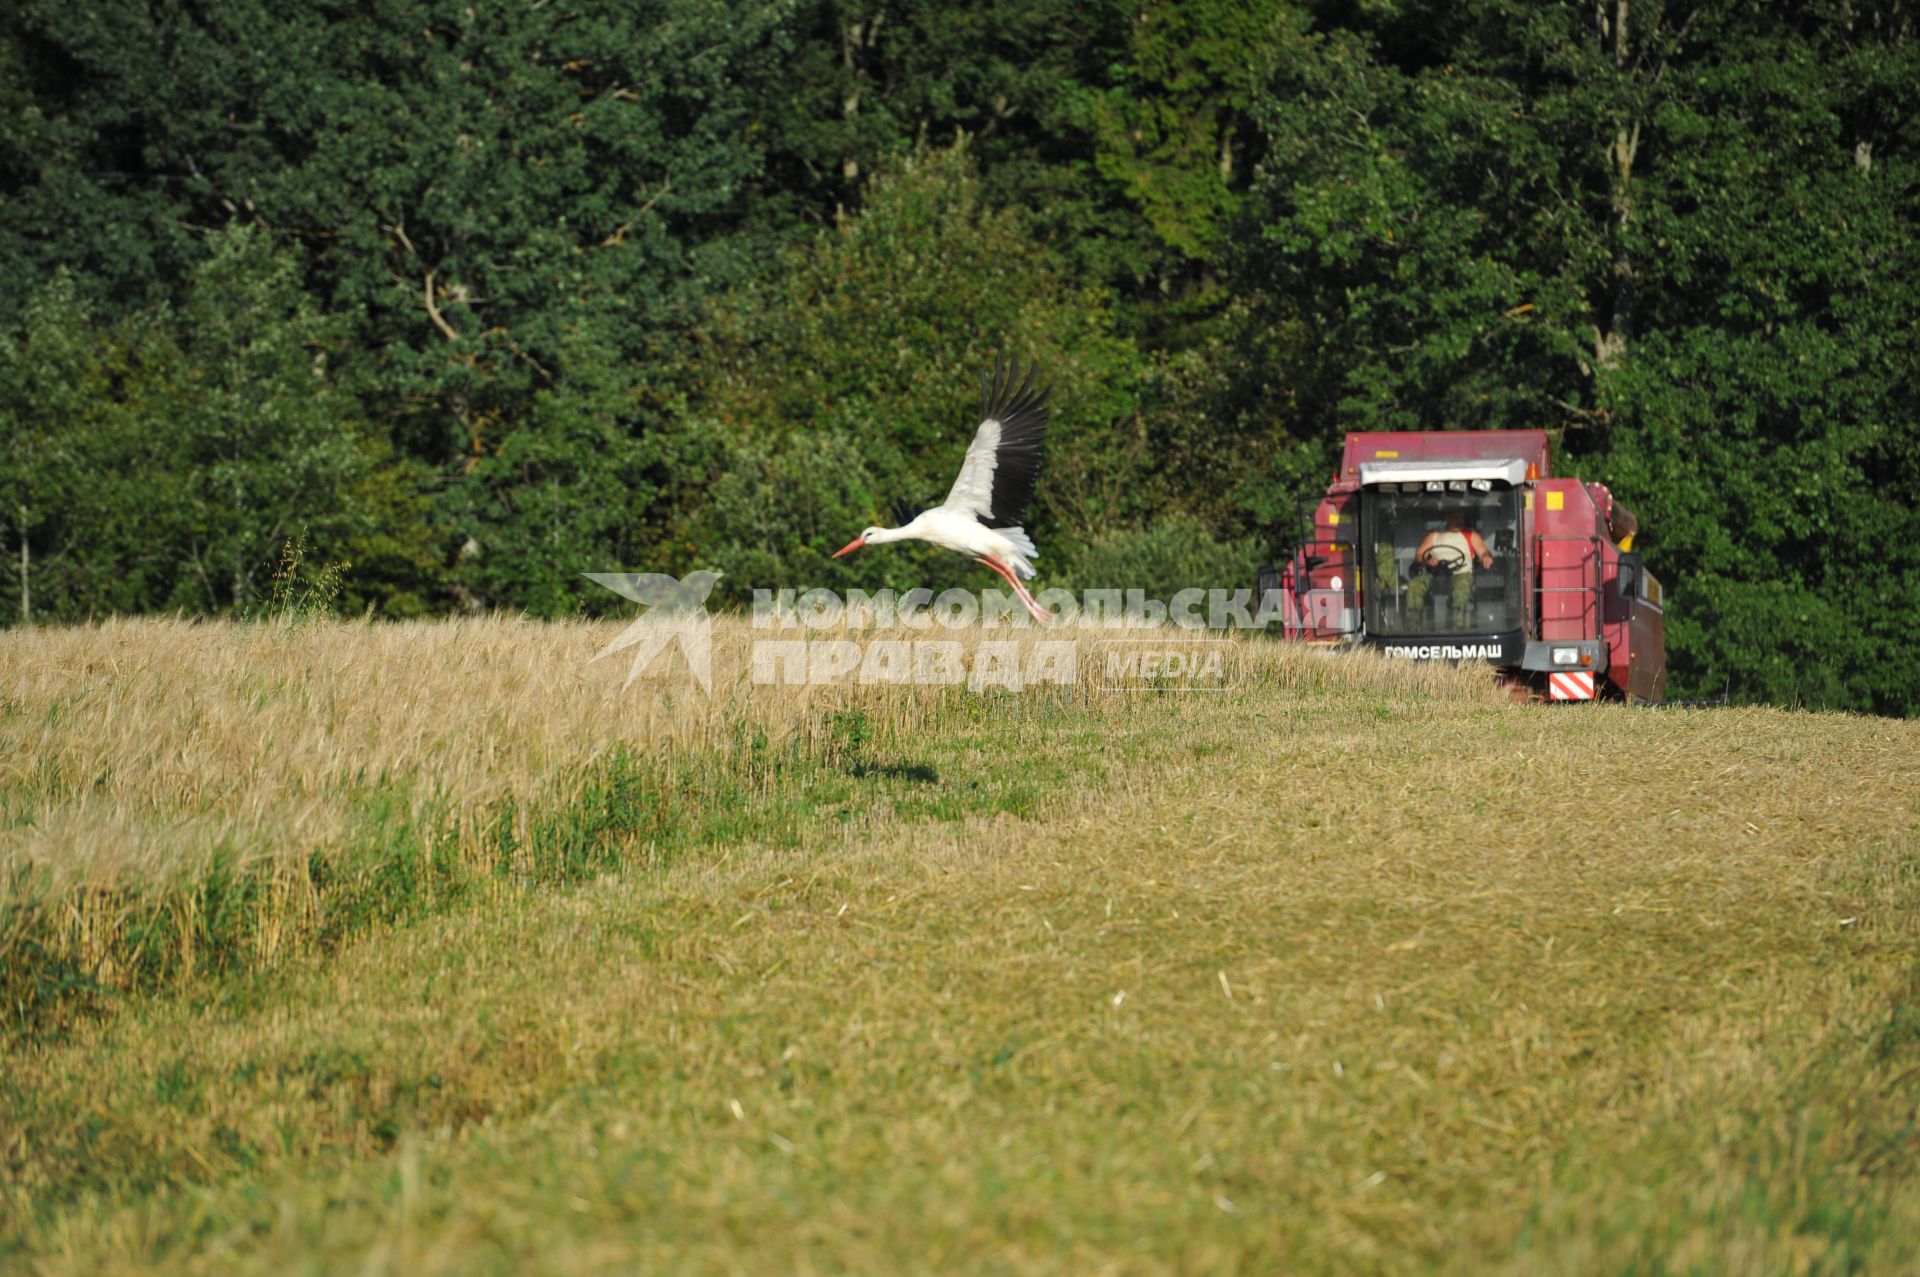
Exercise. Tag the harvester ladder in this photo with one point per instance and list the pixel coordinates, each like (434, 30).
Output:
(1335, 554)
(1588, 613)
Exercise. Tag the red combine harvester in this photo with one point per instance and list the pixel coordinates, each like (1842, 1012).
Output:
(1460, 546)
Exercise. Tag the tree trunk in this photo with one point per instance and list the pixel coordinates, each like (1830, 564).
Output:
(1610, 345)
(26, 593)
(850, 105)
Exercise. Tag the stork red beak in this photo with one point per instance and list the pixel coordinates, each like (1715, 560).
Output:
(850, 547)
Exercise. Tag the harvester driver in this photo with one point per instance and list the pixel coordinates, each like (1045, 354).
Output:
(1454, 551)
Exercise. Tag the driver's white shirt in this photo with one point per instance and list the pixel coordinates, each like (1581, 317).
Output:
(1456, 541)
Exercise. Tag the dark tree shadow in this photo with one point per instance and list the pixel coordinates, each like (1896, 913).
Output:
(920, 772)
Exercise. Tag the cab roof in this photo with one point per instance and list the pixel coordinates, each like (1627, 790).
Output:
(1364, 447)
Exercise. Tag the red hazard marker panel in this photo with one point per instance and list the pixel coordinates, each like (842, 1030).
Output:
(1576, 685)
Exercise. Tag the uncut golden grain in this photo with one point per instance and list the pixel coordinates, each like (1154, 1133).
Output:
(132, 750)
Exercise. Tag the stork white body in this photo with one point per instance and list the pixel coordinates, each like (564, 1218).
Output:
(982, 514)
(961, 532)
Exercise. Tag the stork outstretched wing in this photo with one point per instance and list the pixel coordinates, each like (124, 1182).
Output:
(996, 480)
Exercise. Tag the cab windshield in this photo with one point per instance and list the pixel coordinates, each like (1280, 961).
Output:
(1441, 562)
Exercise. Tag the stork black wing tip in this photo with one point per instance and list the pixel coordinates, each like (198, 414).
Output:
(903, 512)
(998, 396)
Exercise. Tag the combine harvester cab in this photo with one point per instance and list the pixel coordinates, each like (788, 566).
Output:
(1564, 611)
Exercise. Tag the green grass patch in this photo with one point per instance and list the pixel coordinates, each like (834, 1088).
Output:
(406, 857)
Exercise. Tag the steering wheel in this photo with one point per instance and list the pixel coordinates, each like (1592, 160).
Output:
(1447, 558)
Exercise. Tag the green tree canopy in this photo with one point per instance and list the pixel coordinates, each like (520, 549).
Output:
(164, 460)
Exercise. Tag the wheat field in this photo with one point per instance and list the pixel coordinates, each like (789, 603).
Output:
(434, 948)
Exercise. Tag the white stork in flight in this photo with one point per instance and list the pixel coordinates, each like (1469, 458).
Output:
(981, 517)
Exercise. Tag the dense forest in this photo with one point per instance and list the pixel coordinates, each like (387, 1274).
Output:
(468, 299)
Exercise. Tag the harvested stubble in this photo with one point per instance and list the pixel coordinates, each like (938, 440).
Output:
(1358, 969)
